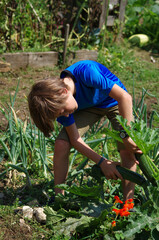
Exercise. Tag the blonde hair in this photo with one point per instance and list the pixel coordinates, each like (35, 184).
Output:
(44, 100)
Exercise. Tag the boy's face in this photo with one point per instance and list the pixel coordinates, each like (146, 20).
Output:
(69, 107)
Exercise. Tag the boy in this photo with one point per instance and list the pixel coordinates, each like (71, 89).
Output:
(85, 92)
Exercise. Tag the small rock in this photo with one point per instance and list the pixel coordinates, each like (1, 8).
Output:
(27, 212)
(40, 215)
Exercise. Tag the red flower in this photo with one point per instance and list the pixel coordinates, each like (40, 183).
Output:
(129, 200)
(117, 211)
(117, 199)
(124, 212)
(113, 223)
(128, 205)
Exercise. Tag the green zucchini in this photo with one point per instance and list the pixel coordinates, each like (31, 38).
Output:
(125, 173)
(144, 164)
(97, 173)
(132, 176)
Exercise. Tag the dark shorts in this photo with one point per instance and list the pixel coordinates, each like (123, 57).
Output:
(86, 118)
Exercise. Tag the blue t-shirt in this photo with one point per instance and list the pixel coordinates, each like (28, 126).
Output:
(93, 82)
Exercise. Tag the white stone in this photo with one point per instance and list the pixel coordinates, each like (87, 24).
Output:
(40, 215)
(27, 212)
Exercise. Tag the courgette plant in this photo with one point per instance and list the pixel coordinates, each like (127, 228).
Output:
(146, 139)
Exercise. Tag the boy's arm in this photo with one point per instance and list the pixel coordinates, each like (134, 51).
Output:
(125, 105)
(108, 167)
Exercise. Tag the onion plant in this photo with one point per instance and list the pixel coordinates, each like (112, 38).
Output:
(23, 145)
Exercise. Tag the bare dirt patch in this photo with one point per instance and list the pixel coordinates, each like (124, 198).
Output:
(147, 56)
(26, 78)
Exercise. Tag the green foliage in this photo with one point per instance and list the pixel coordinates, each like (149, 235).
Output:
(143, 17)
(24, 145)
(144, 137)
(93, 216)
(84, 191)
(70, 222)
(146, 217)
(40, 25)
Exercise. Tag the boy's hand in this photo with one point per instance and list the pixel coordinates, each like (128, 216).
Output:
(109, 169)
(131, 146)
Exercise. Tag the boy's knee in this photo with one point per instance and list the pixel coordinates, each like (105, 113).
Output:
(62, 145)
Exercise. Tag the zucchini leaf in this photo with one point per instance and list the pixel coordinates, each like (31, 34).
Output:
(83, 191)
(52, 216)
(70, 225)
(113, 133)
(144, 137)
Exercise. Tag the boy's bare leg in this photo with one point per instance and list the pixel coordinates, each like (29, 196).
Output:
(61, 163)
(128, 161)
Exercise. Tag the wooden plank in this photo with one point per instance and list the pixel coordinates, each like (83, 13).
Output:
(110, 21)
(114, 2)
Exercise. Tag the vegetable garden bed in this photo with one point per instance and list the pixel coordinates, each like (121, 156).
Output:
(86, 210)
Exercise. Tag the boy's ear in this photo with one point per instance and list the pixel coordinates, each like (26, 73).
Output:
(64, 91)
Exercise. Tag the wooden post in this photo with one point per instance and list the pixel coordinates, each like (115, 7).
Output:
(122, 8)
(67, 29)
(103, 16)
(103, 19)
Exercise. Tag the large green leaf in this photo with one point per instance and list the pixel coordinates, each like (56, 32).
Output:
(96, 209)
(150, 221)
(135, 227)
(69, 226)
(83, 191)
(154, 196)
(52, 216)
